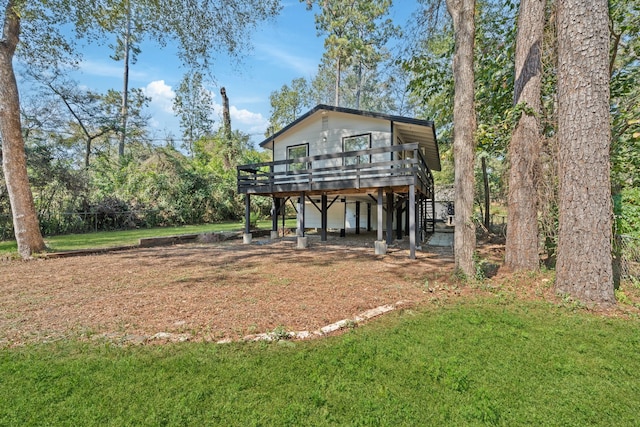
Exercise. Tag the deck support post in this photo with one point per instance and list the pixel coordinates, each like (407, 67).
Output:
(300, 230)
(412, 221)
(380, 245)
(302, 239)
(357, 217)
(406, 218)
(275, 210)
(246, 238)
(380, 213)
(389, 218)
(368, 216)
(399, 220)
(324, 217)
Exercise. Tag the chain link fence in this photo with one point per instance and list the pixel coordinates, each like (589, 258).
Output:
(630, 257)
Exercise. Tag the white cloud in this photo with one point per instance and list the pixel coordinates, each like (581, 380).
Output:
(161, 108)
(284, 59)
(161, 95)
(108, 69)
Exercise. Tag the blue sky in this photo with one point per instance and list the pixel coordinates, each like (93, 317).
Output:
(284, 49)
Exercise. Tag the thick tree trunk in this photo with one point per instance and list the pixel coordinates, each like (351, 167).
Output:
(14, 160)
(521, 251)
(464, 122)
(584, 267)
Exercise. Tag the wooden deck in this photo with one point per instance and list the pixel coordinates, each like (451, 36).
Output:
(397, 175)
(396, 167)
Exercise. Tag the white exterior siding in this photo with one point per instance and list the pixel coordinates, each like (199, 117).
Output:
(340, 216)
(330, 141)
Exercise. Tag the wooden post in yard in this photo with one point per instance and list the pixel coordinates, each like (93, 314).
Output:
(246, 238)
(389, 218)
(412, 221)
(324, 219)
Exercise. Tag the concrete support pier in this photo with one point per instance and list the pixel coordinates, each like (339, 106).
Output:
(381, 247)
(303, 242)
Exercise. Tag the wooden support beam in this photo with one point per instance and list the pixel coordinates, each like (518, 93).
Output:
(406, 219)
(301, 214)
(314, 204)
(357, 217)
(324, 217)
(247, 213)
(389, 217)
(412, 221)
(380, 224)
(275, 210)
(368, 216)
(398, 220)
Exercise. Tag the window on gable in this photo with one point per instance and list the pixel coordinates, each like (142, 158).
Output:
(297, 151)
(357, 143)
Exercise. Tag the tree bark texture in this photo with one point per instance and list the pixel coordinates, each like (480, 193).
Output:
(584, 265)
(14, 159)
(464, 123)
(521, 251)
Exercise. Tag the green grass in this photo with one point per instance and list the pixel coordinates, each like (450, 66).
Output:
(483, 362)
(104, 239)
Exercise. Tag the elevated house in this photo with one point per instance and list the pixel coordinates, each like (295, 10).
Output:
(350, 170)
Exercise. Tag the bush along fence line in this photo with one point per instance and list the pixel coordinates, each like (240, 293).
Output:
(93, 221)
(629, 249)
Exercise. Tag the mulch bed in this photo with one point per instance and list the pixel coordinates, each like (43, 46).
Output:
(208, 291)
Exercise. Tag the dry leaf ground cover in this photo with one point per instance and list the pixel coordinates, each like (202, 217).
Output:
(208, 291)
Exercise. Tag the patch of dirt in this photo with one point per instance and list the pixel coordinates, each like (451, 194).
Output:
(207, 291)
(218, 291)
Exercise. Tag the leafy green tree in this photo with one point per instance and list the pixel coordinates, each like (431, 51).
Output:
(287, 104)
(193, 103)
(624, 68)
(200, 30)
(356, 31)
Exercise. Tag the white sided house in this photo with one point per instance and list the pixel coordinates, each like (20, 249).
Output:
(350, 170)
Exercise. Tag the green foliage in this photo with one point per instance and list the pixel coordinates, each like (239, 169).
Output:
(287, 104)
(193, 104)
(356, 33)
(485, 362)
(625, 92)
(626, 207)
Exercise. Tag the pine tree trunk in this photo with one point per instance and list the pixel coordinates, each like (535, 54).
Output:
(125, 85)
(337, 94)
(584, 267)
(464, 122)
(14, 159)
(521, 251)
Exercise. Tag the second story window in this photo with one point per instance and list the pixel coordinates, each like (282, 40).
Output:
(297, 151)
(357, 143)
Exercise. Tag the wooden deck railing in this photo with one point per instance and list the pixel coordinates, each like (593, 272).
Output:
(311, 173)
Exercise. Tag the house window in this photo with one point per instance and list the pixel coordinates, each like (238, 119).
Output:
(297, 151)
(357, 143)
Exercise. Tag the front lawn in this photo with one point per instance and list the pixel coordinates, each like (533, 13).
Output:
(103, 239)
(480, 361)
